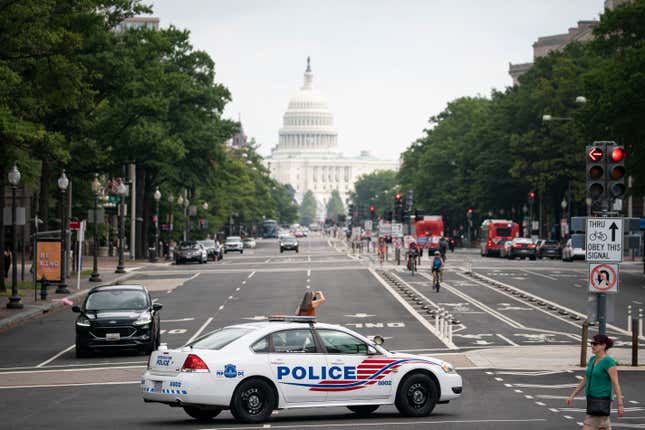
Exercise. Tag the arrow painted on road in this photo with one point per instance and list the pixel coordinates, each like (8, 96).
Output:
(613, 227)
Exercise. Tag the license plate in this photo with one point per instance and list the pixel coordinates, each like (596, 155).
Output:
(157, 385)
(112, 336)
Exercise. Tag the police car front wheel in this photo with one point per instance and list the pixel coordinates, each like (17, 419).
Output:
(417, 395)
(253, 401)
(202, 414)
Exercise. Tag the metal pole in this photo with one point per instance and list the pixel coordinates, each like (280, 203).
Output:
(635, 327)
(14, 300)
(95, 277)
(120, 268)
(602, 313)
(583, 343)
(133, 210)
(62, 286)
(157, 232)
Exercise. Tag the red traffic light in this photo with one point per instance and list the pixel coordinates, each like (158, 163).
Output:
(397, 196)
(596, 153)
(531, 195)
(470, 211)
(617, 154)
(372, 209)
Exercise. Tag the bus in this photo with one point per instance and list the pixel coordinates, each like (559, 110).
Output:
(429, 231)
(493, 234)
(270, 229)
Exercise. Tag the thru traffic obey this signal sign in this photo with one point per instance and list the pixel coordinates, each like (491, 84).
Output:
(604, 240)
(603, 278)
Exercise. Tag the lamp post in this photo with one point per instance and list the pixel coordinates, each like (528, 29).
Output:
(63, 183)
(14, 180)
(205, 207)
(122, 191)
(187, 211)
(563, 205)
(96, 189)
(525, 210)
(157, 197)
(180, 202)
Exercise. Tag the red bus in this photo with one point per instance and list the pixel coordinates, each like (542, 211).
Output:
(429, 230)
(493, 234)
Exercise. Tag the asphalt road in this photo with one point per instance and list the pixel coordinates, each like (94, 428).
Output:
(43, 385)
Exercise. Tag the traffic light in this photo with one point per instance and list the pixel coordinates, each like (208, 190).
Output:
(398, 208)
(616, 170)
(372, 212)
(596, 170)
(469, 214)
(531, 197)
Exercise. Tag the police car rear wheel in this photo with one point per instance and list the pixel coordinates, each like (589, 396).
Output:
(201, 414)
(363, 409)
(417, 396)
(253, 401)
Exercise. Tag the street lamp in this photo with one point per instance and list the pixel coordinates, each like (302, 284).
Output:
(563, 204)
(187, 215)
(63, 183)
(14, 180)
(122, 191)
(205, 206)
(157, 197)
(96, 189)
(171, 202)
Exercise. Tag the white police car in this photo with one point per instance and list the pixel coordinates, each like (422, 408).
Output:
(293, 362)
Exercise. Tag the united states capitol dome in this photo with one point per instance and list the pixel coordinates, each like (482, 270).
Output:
(308, 125)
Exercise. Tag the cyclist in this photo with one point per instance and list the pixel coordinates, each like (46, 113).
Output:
(397, 250)
(437, 270)
(381, 250)
(413, 253)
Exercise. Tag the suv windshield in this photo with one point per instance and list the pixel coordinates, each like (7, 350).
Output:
(208, 243)
(220, 338)
(116, 300)
(233, 239)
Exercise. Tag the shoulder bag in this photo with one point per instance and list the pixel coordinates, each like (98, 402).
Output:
(597, 406)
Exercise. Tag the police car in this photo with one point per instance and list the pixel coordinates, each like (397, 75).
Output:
(294, 362)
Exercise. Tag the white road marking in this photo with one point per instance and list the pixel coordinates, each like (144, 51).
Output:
(498, 379)
(201, 329)
(308, 273)
(237, 289)
(230, 297)
(251, 275)
(17, 387)
(178, 320)
(568, 417)
(518, 391)
(50, 370)
(556, 386)
(553, 410)
(220, 308)
(49, 360)
(528, 397)
(505, 339)
(538, 274)
(540, 403)
(552, 397)
(508, 385)
(191, 278)
(243, 282)
(384, 424)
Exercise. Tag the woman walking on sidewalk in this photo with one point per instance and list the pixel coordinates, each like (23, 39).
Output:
(600, 380)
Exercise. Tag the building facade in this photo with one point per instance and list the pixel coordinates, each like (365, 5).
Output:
(307, 157)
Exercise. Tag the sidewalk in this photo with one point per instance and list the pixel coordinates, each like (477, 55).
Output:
(36, 308)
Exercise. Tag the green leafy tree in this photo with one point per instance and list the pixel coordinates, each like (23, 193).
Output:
(377, 189)
(308, 208)
(335, 205)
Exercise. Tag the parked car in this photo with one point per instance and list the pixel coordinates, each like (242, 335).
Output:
(504, 250)
(522, 247)
(288, 243)
(249, 242)
(550, 248)
(233, 244)
(190, 251)
(117, 317)
(574, 249)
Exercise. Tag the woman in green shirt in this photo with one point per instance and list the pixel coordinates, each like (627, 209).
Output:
(601, 378)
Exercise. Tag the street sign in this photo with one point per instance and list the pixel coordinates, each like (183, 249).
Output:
(368, 225)
(397, 229)
(384, 229)
(603, 278)
(74, 225)
(604, 240)
(112, 198)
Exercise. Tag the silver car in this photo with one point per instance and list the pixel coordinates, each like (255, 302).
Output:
(233, 244)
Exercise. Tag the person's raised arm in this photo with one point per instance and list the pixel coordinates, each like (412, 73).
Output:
(319, 300)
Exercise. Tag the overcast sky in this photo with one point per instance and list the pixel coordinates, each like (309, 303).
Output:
(384, 66)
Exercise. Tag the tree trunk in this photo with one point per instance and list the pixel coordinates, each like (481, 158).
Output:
(141, 245)
(43, 206)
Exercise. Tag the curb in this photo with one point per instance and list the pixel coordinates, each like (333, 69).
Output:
(41, 310)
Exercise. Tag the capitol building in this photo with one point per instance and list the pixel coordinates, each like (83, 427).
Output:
(307, 157)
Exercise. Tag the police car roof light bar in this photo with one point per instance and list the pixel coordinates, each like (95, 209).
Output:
(292, 318)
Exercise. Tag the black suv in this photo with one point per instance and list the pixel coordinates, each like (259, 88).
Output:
(551, 249)
(288, 243)
(117, 316)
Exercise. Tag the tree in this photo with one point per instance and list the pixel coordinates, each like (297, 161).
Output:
(335, 205)
(308, 209)
(377, 189)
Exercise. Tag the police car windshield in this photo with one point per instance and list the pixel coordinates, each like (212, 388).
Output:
(116, 300)
(220, 338)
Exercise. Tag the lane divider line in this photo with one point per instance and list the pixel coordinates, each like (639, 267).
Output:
(18, 387)
(201, 329)
(424, 322)
(49, 360)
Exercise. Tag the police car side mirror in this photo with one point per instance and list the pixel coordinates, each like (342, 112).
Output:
(76, 308)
